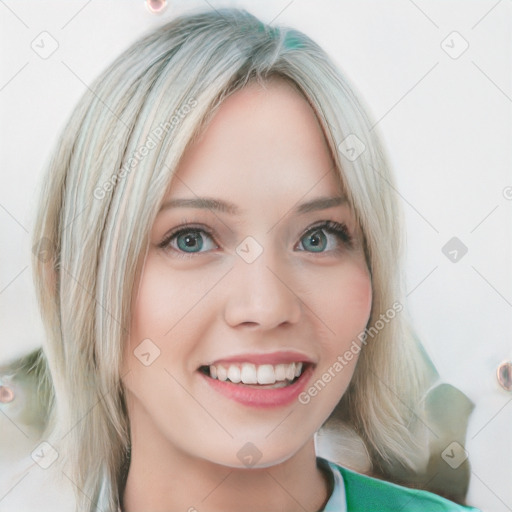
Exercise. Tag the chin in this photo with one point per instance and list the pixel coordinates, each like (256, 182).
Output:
(256, 455)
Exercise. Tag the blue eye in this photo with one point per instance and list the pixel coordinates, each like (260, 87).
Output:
(315, 241)
(325, 237)
(189, 240)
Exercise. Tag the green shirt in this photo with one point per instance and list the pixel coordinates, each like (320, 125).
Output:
(363, 493)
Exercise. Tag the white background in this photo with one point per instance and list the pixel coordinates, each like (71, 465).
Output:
(446, 123)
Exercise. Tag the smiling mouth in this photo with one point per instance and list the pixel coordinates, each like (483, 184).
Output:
(256, 376)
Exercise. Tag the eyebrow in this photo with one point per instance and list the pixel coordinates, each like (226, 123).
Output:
(209, 203)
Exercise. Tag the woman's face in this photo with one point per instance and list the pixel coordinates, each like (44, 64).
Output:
(255, 265)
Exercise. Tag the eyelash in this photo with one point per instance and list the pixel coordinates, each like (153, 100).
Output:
(340, 230)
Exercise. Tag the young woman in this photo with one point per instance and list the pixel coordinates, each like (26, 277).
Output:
(219, 276)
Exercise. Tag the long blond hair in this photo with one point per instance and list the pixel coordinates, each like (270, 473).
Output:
(102, 192)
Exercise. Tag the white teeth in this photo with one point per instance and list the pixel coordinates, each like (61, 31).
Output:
(249, 373)
(234, 374)
(222, 373)
(266, 374)
(280, 371)
(290, 371)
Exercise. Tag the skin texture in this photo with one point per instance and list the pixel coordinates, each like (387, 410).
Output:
(265, 152)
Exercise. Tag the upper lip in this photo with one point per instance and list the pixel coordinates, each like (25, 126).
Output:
(269, 358)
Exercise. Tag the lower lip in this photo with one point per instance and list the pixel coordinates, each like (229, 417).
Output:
(264, 397)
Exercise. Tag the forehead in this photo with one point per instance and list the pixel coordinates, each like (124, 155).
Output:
(263, 138)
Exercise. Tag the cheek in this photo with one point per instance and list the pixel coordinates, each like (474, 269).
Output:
(346, 301)
(162, 299)
(153, 315)
(158, 303)
(171, 309)
(148, 309)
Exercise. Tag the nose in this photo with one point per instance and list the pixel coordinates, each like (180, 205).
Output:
(261, 296)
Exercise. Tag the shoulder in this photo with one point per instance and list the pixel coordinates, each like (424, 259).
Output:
(368, 494)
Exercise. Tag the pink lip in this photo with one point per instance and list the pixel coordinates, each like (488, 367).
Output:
(272, 358)
(263, 398)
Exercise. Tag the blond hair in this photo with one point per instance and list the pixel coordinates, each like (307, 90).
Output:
(102, 192)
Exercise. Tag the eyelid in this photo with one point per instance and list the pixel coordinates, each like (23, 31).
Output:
(328, 224)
